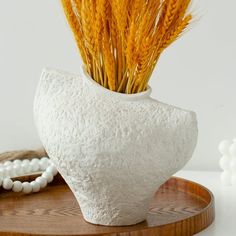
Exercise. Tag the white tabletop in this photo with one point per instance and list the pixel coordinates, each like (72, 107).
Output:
(225, 202)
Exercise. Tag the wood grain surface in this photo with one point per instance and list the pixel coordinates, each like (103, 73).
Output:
(179, 208)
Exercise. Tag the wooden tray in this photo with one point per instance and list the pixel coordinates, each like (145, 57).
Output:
(179, 208)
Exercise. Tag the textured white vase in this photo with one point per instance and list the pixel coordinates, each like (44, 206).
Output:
(113, 150)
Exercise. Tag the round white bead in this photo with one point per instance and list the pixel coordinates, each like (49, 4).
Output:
(42, 181)
(7, 163)
(225, 162)
(16, 162)
(9, 172)
(224, 147)
(35, 186)
(26, 167)
(18, 170)
(45, 159)
(7, 183)
(17, 186)
(48, 176)
(34, 164)
(26, 187)
(52, 169)
(232, 150)
(226, 178)
(34, 160)
(2, 172)
(26, 161)
(44, 162)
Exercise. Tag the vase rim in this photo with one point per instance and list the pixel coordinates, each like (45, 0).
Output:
(123, 96)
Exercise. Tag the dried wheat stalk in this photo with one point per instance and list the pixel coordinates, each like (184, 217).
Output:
(120, 41)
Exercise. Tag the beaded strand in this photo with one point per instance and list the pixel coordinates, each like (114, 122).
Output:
(16, 168)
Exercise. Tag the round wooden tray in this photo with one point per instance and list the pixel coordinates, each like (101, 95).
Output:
(179, 208)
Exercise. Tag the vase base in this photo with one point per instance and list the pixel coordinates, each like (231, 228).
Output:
(115, 224)
(122, 215)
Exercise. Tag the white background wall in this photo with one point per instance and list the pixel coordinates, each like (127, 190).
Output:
(198, 72)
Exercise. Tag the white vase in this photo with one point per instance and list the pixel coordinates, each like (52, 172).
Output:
(114, 150)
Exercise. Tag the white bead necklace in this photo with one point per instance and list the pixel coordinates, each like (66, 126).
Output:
(16, 168)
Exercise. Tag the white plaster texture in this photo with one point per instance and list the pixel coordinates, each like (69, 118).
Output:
(113, 150)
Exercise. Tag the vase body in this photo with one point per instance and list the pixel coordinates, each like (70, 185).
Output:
(113, 150)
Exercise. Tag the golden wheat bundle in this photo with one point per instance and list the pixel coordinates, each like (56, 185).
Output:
(120, 41)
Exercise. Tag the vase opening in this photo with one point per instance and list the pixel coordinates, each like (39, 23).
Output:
(123, 96)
